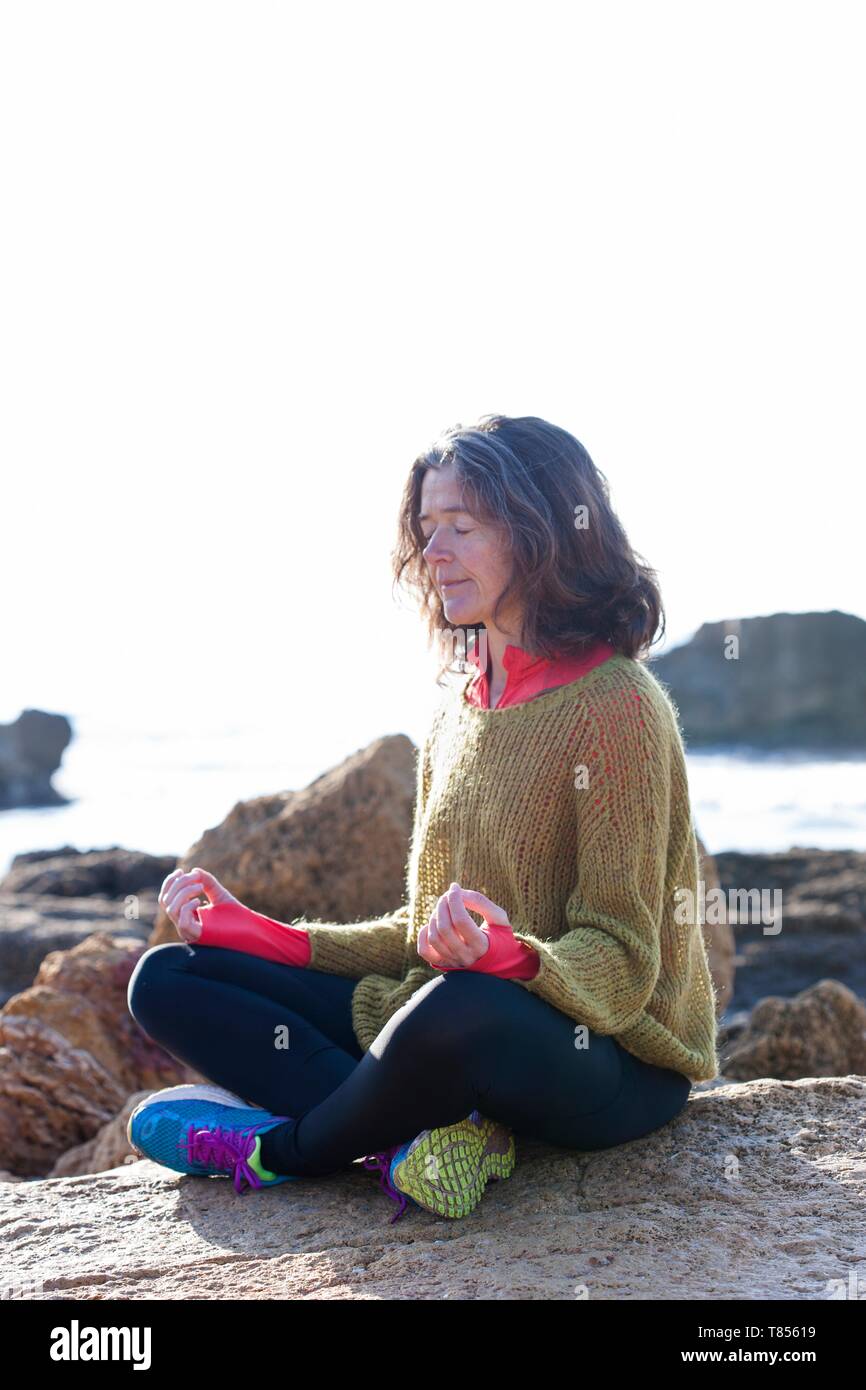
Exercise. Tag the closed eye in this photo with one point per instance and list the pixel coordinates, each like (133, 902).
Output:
(457, 532)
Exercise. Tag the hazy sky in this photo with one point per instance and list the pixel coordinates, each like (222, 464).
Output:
(256, 256)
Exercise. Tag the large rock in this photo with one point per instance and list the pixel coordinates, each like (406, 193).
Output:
(820, 1032)
(755, 1191)
(73, 873)
(821, 888)
(31, 748)
(32, 925)
(798, 681)
(823, 921)
(71, 1052)
(335, 851)
(52, 899)
(53, 1095)
(109, 1147)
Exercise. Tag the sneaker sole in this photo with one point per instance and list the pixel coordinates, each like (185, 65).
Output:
(446, 1170)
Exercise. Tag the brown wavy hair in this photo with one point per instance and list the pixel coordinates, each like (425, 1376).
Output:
(527, 477)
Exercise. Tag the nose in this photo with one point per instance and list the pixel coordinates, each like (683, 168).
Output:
(433, 552)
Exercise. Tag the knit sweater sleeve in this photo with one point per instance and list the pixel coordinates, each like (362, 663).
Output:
(603, 967)
(377, 947)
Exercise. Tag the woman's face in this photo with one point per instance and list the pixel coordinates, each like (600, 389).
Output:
(468, 561)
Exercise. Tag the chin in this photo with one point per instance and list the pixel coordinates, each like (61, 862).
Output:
(463, 613)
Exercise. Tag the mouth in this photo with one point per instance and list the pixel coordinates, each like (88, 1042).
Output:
(452, 584)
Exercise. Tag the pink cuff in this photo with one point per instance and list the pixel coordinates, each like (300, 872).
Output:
(505, 956)
(239, 928)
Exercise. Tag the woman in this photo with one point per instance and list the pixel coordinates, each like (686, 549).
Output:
(552, 801)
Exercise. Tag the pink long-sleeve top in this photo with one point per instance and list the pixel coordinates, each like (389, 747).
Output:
(239, 928)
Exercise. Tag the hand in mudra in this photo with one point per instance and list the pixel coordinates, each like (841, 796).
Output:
(452, 938)
(179, 894)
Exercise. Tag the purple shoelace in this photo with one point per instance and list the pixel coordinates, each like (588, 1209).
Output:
(382, 1161)
(227, 1149)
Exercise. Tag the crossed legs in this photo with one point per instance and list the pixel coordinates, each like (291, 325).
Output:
(281, 1037)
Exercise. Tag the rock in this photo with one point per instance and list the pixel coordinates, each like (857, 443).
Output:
(109, 1148)
(799, 681)
(820, 1032)
(335, 851)
(756, 1191)
(718, 936)
(52, 1095)
(823, 920)
(733, 1026)
(32, 925)
(115, 873)
(820, 887)
(73, 1053)
(31, 748)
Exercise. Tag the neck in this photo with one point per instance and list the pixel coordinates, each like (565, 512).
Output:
(497, 641)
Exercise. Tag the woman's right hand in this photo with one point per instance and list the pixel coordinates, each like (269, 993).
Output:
(178, 898)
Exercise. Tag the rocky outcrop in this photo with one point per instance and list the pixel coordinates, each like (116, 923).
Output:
(53, 1095)
(71, 1053)
(335, 851)
(31, 749)
(109, 1147)
(115, 873)
(52, 899)
(798, 681)
(755, 1191)
(822, 915)
(822, 888)
(820, 1032)
(32, 925)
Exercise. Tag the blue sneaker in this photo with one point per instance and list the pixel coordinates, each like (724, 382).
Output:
(205, 1130)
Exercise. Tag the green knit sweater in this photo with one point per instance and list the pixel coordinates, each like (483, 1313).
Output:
(570, 810)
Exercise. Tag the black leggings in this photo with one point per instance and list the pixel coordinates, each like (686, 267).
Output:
(280, 1036)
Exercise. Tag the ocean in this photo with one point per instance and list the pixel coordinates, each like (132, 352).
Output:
(159, 790)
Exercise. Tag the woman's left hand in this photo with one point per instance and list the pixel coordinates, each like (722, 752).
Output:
(451, 938)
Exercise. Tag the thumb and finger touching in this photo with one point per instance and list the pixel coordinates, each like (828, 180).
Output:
(451, 919)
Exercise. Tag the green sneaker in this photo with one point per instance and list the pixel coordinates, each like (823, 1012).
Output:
(446, 1170)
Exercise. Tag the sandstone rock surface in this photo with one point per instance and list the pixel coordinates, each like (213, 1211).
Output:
(756, 1191)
